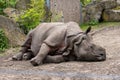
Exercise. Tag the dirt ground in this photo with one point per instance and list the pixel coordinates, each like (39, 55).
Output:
(109, 38)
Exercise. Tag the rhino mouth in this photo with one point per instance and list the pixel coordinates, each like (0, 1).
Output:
(101, 57)
(92, 58)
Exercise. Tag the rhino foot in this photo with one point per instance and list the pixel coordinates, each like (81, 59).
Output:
(27, 56)
(17, 57)
(35, 61)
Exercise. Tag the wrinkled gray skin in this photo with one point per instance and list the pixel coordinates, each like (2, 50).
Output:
(59, 42)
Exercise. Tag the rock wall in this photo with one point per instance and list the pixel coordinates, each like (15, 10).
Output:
(65, 10)
(102, 10)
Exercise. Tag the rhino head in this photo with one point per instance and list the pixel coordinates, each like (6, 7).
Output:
(86, 50)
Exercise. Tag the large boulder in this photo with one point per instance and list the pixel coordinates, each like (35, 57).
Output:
(94, 10)
(14, 34)
(108, 4)
(111, 15)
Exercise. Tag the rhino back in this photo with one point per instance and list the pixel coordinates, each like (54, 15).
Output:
(42, 32)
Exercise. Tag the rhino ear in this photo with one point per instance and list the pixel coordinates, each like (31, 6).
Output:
(88, 30)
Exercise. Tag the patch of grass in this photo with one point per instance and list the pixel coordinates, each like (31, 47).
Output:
(1, 54)
(10, 51)
(100, 25)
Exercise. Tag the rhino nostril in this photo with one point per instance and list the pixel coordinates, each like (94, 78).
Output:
(101, 54)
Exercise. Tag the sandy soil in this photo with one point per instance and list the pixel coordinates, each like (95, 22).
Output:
(109, 38)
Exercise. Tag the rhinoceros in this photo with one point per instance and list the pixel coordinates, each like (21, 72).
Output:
(59, 42)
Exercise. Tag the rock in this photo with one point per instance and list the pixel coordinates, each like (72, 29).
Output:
(118, 2)
(11, 13)
(108, 4)
(94, 10)
(111, 15)
(22, 4)
(14, 34)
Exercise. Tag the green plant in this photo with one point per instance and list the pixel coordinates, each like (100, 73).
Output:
(93, 22)
(6, 3)
(3, 41)
(85, 2)
(33, 16)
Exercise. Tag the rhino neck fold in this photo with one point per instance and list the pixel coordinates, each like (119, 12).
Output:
(71, 42)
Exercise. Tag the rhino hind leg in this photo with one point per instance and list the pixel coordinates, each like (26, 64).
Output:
(17, 57)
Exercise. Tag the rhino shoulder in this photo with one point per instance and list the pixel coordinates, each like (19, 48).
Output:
(73, 28)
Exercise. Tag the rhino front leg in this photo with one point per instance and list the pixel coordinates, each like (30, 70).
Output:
(54, 59)
(38, 59)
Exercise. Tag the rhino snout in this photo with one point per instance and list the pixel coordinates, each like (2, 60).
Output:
(101, 57)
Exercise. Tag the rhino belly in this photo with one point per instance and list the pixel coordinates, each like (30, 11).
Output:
(35, 45)
(35, 49)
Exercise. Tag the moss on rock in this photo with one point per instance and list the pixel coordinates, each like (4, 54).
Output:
(117, 8)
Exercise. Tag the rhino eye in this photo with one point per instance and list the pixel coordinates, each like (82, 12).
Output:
(83, 38)
(91, 47)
